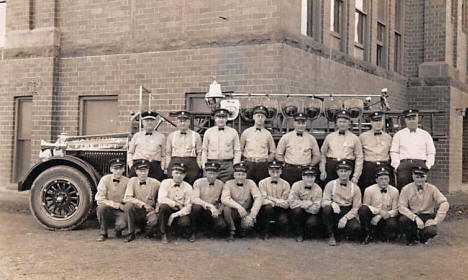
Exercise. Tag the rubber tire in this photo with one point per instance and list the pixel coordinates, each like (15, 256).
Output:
(79, 180)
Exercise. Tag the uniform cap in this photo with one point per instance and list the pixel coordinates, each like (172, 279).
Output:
(141, 164)
(343, 164)
(381, 171)
(116, 163)
(212, 166)
(309, 170)
(300, 116)
(420, 170)
(410, 112)
(182, 114)
(275, 165)
(260, 110)
(221, 112)
(240, 167)
(376, 116)
(179, 166)
(148, 115)
(343, 114)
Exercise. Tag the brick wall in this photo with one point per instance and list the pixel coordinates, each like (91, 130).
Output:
(24, 77)
(414, 43)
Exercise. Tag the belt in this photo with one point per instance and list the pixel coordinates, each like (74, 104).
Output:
(412, 160)
(221, 160)
(295, 165)
(256, 160)
(378, 161)
(338, 159)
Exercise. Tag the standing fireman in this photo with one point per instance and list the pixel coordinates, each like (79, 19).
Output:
(257, 146)
(221, 144)
(206, 201)
(140, 201)
(417, 205)
(340, 204)
(305, 200)
(297, 149)
(175, 199)
(379, 210)
(376, 148)
(184, 146)
(149, 145)
(242, 201)
(341, 145)
(411, 147)
(109, 197)
(275, 192)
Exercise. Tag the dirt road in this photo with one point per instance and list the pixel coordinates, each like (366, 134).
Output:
(27, 251)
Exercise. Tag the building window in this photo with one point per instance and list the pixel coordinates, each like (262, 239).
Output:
(336, 15)
(360, 22)
(2, 23)
(310, 18)
(381, 33)
(398, 31)
(98, 115)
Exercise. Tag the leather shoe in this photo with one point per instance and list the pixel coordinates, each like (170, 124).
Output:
(101, 238)
(231, 236)
(332, 241)
(192, 238)
(130, 237)
(164, 239)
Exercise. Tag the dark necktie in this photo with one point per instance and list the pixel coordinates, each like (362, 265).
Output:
(378, 133)
(299, 134)
(344, 184)
(221, 128)
(412, 130)
(176, 185)
(383, 190)
(211, 184)
(116, 180)
(240, 184)
(142, 183)
(149, 133)
(258, 129)
(183, 133)
(274, 182)
(341, 132)
(420, 188)
(308, 187)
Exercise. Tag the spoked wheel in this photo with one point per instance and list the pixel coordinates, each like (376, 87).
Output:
(61, 198)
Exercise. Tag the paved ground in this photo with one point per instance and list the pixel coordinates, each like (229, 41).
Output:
(27, 251)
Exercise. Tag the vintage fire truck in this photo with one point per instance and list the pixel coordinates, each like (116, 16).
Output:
(63, 184)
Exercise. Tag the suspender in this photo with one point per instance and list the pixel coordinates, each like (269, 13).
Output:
(193, 152)
(335, 184)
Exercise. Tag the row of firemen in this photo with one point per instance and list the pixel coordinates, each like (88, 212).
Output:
(219, 199)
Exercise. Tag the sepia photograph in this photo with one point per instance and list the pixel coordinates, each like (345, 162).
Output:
(233, 139)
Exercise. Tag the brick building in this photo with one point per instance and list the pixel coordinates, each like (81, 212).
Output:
(64, 63)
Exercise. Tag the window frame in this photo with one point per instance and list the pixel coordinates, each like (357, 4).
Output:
(82, 109)
(382, 43)
(336, 22)
(3, 22)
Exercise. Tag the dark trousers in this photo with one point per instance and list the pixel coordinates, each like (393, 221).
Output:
(232, 217)
(107, 215)
(225, 171)
(257, 171)
(303, 222)
(330, 168)
(155, 171)
(386, 228)
(368, 174)
(410, 229)
(193, 170)
(269, 214)
(183, 223)
(138, 216)
(292, 173)
(404, 171)
(330, 220)
(201, 217)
